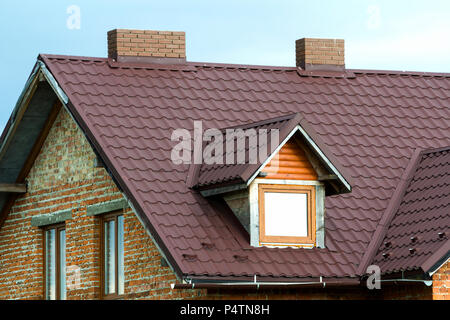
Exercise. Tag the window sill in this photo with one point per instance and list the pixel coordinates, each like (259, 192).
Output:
(287, 245)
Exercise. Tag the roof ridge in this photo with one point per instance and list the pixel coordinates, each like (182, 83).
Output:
(439, 257)
(401, 73)
(263, 67)
(42, 56)
(221, 65)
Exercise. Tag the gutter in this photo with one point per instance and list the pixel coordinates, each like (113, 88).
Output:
(265, 284)
(288, 285)
(409, 281)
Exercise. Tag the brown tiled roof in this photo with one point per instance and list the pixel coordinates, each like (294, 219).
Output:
(420, 224)
(371, 121)
(209, 174)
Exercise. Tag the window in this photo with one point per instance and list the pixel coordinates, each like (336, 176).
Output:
(112, 255)
(287, 214)
(55, 262)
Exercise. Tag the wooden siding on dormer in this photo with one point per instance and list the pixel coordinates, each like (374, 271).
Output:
(290, 163)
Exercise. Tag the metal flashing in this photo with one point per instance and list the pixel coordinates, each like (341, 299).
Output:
(52, 81)
(316, 149)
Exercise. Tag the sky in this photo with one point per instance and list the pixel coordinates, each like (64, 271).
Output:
(389, 35)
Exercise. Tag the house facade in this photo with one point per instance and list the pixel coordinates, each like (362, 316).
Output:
(94, 207)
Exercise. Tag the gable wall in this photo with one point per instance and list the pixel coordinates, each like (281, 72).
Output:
(64, 177)
(290, 163)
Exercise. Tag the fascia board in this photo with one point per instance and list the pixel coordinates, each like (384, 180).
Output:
(20, 104)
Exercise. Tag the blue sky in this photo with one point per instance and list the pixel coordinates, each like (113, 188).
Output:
(397, 35)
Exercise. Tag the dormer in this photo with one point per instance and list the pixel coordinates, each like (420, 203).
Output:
(279, 198)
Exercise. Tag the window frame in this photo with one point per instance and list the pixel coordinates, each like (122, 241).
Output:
(58, 228)
(110, 216)
(310, 191)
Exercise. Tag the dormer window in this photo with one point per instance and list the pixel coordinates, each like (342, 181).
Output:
(287, 200)
(280, 201)
(286, 214)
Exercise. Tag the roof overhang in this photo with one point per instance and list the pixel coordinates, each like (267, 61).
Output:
(34, 109)
(39, 73)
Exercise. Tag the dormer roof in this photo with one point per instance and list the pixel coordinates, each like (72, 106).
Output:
(290, 127)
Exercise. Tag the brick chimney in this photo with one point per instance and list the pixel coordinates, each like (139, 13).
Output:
(147, 46)
(320, 54)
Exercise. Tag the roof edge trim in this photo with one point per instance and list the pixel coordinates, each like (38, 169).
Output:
(26, 92)
(437, 259)
(316, 149)
(221, 190)
(325, 159)
(265, 67)
(53, 83)
(286, 139)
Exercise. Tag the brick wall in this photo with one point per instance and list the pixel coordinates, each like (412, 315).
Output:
(441, 283)
(148, 43)
(64, 177)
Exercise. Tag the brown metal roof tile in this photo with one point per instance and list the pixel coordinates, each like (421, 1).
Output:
(421, 215)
